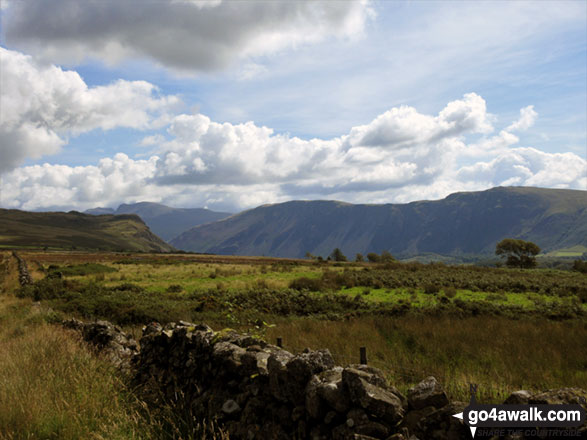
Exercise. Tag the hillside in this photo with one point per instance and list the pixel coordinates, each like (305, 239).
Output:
(76, 230)
(461, 224)
(163, 220)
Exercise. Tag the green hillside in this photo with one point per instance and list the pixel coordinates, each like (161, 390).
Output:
(73, 230)
(462, 224)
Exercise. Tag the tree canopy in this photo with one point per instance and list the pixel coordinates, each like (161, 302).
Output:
(519, 253)
(337, 255)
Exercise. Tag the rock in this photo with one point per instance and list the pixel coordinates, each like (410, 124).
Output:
(331, 389)
(331, 417)
(441, 425)
(518, 398)
(413, 417)
(356, 417)
(255, 362)
(379, 401)
(276, 366)
(74, 324)
(230, 407)
(109, 340)
(324, 391)
(152, 328)
(228, 356)
(373, 429)
(300, 369)
(315, 406)
(561, 396)
(427, 393)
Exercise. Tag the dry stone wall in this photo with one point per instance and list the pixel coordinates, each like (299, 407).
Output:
(256, 390)
(24, 277)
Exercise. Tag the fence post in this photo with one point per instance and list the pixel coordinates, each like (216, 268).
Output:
(363, 352)
(279, 342)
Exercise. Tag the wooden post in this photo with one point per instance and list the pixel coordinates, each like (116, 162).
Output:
(363, 351)
(279, 342)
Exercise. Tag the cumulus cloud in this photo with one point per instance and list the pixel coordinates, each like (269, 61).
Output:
(41, 105)
(186, 35)
(200, 162)
(527, 118)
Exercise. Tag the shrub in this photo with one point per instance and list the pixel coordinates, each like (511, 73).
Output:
(450, 291)
(305, 283)
(431, 288)
(580, 266)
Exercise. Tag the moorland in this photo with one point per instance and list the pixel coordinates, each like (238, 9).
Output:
(501, 327)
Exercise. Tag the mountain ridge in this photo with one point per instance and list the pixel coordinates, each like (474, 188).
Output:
(464, 223)
(165, 221)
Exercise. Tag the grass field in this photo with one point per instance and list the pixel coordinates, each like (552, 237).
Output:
(504, 329)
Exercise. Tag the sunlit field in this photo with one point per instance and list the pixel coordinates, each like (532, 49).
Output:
(504, 329)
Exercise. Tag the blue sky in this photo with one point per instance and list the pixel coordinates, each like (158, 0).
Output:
(233, 104)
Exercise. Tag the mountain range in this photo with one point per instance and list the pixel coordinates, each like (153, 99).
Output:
(467, 223)
(163, 220)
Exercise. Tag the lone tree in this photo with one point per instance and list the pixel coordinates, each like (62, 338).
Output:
(519, 253)
(337, 255)
(386, 257)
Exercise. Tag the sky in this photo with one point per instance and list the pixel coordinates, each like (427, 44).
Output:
(233, 104)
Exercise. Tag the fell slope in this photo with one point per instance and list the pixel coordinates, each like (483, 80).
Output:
(67, 230)
(462, 224)
(163, 220)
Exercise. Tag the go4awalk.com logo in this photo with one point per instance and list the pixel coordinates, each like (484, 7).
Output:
(556, 419)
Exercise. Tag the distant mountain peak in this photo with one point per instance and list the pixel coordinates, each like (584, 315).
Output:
(165, 221)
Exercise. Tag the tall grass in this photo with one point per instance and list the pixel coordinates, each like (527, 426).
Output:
(501, 355)
(52, 387)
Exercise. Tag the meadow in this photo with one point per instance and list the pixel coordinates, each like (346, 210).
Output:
(504, 329)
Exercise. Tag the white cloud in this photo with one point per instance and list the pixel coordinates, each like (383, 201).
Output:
(527, 118)
(40, 105)
(185, 35)
(233, 166)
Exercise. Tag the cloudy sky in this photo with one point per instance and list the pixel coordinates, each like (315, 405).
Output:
(232, 104)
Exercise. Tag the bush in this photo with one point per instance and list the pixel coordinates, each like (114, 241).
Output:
(431, 288)
(580, 266)
(450, 291)
(304, 283)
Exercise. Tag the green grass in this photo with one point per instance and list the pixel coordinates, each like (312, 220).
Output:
(574, 251)
(197, 276)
